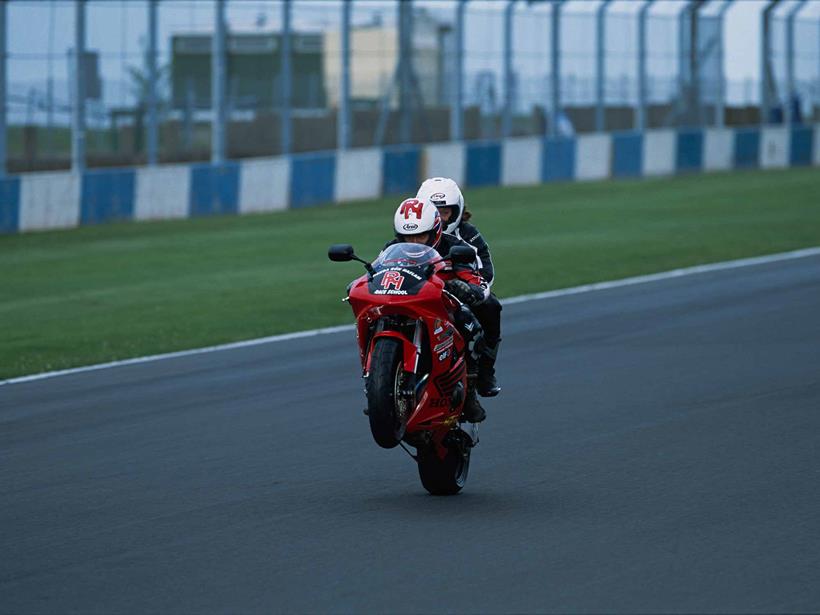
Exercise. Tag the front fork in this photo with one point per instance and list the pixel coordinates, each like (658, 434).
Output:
(411, 354)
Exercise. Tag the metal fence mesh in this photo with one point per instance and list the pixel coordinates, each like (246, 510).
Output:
(403, 73)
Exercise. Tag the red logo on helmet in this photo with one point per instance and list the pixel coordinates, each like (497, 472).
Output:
(411, 205)
(392, 278)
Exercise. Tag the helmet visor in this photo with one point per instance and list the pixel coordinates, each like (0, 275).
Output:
(448, 213)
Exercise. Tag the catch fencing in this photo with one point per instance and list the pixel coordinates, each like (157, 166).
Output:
(111, 83)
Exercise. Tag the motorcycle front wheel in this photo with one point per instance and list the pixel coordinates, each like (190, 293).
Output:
(385, 408)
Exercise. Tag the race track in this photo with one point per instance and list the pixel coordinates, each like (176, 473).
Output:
(656, 448)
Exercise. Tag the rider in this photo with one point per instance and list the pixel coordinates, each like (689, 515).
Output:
(418, 221)
(446, 195)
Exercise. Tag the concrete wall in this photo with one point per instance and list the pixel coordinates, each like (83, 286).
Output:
(162, 192)
(659, 150)
(593, 159)
(40, 201)
(445, 160)
(718, 149)
(774, 148)
(264, 185)
(358, 174)
(521, 161)
(49, 201)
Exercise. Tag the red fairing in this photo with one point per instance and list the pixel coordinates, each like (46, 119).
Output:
(440, 352)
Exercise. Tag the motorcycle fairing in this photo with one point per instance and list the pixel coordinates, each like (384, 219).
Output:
(435, 411)
(410, 354)
(397, 281)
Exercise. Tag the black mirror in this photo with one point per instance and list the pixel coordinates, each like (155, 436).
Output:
(340, 252)
(461, 254)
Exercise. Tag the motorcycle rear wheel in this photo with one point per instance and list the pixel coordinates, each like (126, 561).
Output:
(383, 385)
(444, 476)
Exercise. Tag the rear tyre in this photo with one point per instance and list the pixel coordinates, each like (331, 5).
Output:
(444, 476)
(385, 409)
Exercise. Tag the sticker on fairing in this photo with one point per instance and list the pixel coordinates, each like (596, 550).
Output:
(396, 281)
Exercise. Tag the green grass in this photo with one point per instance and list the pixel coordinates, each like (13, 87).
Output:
(95, 294)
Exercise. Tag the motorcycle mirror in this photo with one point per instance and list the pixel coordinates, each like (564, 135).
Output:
(461, 254)
(340, 252)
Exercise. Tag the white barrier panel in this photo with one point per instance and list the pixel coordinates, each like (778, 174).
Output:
(162, 192)
(521, 161)
(659, 147)
(358, 174)
(817, 144)
(49, 200)
(264, 185)
(774, 147)
(593, 156)
(718, 149)
(444, 160)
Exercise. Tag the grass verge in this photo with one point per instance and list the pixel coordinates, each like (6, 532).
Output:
(96, 294)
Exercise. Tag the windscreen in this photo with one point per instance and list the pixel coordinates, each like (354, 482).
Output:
(405, 255)
(402, 269)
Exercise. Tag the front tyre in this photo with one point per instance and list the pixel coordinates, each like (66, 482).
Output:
(444, 476)
(385, 407)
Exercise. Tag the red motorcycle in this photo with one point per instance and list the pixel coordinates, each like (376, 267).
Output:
(414, 359)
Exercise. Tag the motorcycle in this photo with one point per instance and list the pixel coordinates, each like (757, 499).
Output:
(414, 359)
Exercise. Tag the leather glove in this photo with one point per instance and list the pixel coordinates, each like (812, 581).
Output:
(466, 293)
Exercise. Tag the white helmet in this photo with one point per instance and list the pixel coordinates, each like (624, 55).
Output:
(414, 217)
(444, 192)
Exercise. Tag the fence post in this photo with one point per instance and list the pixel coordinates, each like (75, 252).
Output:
(78, 90)
(152, 140)
(457, 108)
(600, 68)
(287, 76)
(696, 96)
(405, 51)
(3, 89)
(720, 107)
(343, 120)
(506, 118)
(640, 123)
(767, 84)
(791, 95)
(556, 66)
(218, 85)
(684, 73)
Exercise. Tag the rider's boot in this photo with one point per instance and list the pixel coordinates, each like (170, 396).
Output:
(487, 385)
(473, 411)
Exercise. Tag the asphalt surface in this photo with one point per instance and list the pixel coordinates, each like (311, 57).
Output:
(656, 448)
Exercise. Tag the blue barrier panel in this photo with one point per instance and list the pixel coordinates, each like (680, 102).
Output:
(311, 179)
(9, 205)
(689, 151)
(107, 195)
(400, 171)
(214, 189)
(627, 154)
(483, 164)
(558, 161)
(747, 148)
(802, 140)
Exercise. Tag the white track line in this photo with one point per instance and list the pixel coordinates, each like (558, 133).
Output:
(586, 288)
(666, 275)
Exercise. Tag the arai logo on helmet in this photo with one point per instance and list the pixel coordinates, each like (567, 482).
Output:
(409, 226)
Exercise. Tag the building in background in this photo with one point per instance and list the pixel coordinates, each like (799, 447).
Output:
(374, 56)
(253, 70)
